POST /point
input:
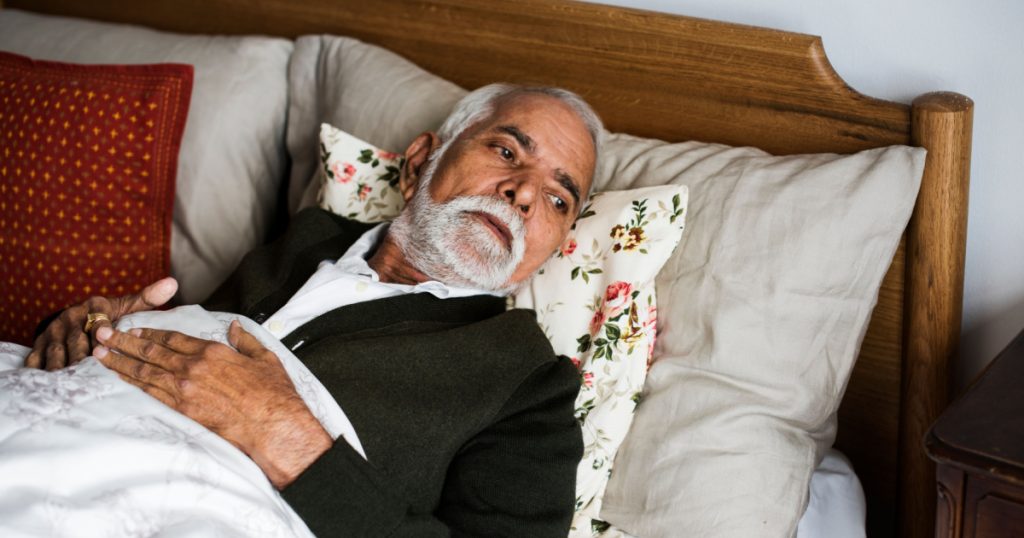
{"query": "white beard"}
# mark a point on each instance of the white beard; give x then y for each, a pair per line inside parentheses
(446, 242)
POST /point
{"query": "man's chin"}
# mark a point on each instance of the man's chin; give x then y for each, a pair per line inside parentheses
(477, 276)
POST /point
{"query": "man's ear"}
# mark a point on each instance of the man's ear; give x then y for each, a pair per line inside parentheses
(416, 161)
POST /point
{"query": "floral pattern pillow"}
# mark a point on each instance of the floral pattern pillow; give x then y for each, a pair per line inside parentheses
(595, 297)
(596, 302)
(357, 180)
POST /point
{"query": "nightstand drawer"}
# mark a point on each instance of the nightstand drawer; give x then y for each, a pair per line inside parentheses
(997, 508)
(973, 506)
(978, 444)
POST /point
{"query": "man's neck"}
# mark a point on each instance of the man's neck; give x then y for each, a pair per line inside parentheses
(392, 266)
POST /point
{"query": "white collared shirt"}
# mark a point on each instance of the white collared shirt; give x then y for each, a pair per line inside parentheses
(347, 281)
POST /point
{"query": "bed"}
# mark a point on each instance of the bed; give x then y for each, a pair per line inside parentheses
(677, 78)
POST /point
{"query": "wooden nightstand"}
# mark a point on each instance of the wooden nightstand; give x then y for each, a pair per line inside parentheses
(978, 444)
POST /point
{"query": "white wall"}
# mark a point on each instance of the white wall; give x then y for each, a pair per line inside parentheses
(898, 49)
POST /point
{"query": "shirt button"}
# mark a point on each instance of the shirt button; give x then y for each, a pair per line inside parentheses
(276, 326)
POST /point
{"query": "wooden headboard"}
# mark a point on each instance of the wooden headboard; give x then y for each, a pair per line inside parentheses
(678, 78)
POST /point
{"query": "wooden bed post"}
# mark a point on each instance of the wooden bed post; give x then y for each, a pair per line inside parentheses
(941, 122)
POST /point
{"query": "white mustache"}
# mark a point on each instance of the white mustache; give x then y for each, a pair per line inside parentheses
(497, 208)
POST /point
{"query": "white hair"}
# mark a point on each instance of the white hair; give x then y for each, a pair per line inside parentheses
(480, 104)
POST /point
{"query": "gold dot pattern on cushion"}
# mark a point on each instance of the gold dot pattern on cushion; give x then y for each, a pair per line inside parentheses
(88, 156)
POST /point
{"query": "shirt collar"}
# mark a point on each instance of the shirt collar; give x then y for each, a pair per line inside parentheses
(354, 261)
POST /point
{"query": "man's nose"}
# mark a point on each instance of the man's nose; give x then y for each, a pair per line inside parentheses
(521, 193)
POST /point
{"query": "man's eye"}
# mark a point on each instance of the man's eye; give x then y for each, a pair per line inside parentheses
(506, 153)
(559, 203)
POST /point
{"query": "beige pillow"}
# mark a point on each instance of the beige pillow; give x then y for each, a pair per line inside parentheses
(232, 157)
(762, 308)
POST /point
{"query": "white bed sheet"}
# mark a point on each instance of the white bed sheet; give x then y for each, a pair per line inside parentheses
(836, 508)
(192, 482)
(84, 454)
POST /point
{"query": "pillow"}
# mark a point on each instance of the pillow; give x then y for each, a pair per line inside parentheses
(86, 182)
(764, 308)
(594, 298)
(761, 310)
(232, 159)
(357, 180)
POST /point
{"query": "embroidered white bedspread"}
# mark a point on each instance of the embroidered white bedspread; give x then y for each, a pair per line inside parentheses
(83, 453)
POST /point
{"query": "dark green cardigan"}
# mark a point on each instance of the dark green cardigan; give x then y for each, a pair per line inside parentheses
(464, 411)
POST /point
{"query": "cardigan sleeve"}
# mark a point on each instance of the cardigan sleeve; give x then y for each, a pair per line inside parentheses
(515, 478)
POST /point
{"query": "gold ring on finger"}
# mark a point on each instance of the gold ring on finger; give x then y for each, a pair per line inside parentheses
(92, 318)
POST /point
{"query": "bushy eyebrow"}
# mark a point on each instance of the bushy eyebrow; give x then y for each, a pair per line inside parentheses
(522, 138)
(566, 181)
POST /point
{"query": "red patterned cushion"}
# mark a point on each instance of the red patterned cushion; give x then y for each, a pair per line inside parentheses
(88, 155)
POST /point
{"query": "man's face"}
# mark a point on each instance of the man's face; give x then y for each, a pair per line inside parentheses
(534, 157)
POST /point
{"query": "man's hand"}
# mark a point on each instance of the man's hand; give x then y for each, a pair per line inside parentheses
(65, 342)
(245, 396)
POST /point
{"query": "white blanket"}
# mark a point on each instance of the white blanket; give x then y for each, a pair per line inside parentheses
(83, 453)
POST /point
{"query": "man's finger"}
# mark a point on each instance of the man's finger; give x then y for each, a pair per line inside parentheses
(56, 356)
(243, 341)
(77, 344)
(96, 326)
(35, 357)
(173, 340)
(152, 296)
(139, 348)
(53, 350)
(153, 391)
(140, 373)
(98, 305)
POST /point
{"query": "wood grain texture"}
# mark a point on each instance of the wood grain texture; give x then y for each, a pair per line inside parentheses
(679, 78)
(648, 74)
(936, 245)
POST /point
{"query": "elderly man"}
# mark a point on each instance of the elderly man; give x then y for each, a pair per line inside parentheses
(464, 412)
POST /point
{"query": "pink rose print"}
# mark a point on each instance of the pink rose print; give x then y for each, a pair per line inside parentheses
(575, 362)
(387, 155)
(343, 172)
(364, 191)
(569, 247)
(597, 322)
(617, 298)
(588, 379)
(651, 329)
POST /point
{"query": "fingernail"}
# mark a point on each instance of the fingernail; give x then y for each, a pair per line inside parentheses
(103, 333)
(100, 352)
(136, 332)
